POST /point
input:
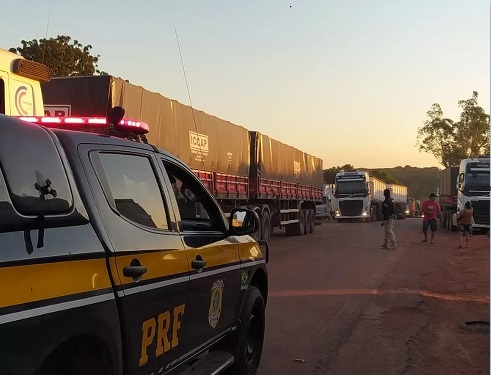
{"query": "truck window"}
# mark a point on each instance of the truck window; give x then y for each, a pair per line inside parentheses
(2, 96)
(134, 189)
(198, 211)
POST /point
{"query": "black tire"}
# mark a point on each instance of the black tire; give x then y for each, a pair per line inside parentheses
(250, 334)
(258, 234)
(453, 228)
(312, 222)
(299, 227)
(265, 226)
(308, 219)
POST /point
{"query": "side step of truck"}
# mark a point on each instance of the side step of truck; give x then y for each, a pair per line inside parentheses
(213, 363)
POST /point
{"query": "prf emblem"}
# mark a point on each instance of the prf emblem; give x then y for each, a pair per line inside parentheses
(215, 303)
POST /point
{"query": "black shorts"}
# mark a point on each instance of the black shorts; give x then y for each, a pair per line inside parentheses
(432, 223)
(465, 228)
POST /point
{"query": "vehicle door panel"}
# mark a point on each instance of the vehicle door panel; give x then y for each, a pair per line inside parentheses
(215, 287)
(154, 307)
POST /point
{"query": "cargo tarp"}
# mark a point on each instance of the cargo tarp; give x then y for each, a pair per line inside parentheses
(85, 96)
(279, 161)
(202, 141)
(448, 181)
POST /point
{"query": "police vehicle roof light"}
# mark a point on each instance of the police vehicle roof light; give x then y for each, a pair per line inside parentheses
(137, 127)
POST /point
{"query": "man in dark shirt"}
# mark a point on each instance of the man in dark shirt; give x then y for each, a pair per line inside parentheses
(388, 223)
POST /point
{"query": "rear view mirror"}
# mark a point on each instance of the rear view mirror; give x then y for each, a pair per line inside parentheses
(243, 221)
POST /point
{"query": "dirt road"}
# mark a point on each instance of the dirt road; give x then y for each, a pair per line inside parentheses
(339, 304)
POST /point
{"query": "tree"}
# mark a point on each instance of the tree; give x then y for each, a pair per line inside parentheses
(385, 177)
(330, 174)
(451, 141)
(63, 56)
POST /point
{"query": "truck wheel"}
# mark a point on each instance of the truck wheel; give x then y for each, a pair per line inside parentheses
(308, 220)
(299, 227)
(266, 226)
(250, 334)
(312, 222)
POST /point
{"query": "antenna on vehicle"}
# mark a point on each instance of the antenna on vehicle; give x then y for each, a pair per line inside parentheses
(46, 35)
(187, 87)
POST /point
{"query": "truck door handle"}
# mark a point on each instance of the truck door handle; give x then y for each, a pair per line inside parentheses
(135, 270)
(198, 263)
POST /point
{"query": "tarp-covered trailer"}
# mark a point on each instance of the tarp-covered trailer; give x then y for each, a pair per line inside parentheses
(399, 195)
(238, 166)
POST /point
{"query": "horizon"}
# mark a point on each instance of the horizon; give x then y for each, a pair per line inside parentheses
(347, 82)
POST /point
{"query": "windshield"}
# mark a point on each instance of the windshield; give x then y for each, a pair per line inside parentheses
(477, 178)
(351, 187)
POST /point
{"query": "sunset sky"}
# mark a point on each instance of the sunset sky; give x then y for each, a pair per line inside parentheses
(349, 81)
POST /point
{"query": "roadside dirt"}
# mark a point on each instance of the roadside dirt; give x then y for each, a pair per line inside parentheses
(412, 325)
(442, 346)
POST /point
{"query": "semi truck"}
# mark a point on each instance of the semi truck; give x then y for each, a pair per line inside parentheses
(399, 194)
(467, 182)
(325, 210)
(240, 167)
(358, 195)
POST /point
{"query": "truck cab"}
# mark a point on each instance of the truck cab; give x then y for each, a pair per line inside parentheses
(20, 85)
(353, 195)
(473, 185)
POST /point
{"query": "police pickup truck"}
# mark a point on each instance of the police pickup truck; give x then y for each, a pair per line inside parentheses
(115, 258)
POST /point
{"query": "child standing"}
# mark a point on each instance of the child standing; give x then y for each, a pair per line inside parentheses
(464, 218)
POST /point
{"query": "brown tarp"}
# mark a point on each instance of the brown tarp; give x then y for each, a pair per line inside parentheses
(87, 96)
(448, 181)
(279, 161)
(202, 141)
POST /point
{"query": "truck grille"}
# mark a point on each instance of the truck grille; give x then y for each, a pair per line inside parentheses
(351, 207)
(481, 212)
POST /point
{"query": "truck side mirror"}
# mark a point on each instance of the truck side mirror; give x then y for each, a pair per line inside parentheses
(460, 181)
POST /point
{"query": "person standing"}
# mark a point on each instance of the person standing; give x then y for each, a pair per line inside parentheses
(388, 223)
(464, 219)
(431, 210)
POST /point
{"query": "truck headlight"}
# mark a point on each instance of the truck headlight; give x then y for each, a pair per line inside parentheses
(365, 213)
(407, 211)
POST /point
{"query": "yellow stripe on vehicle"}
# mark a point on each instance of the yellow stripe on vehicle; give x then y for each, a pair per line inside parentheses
(37, 282)
(160, 264)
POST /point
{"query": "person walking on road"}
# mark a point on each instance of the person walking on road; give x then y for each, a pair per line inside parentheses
(388, 223)
(464, 220)
(432, 212)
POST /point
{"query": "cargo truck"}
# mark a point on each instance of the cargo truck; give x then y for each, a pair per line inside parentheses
(399, 195)
(467, 182)
(241, 168)
(358, 195)
(325, 210)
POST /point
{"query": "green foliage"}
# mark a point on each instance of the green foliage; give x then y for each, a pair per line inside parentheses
(450, 141)
(385, 176)
(420, 181)
(330, 174)
(63, 56)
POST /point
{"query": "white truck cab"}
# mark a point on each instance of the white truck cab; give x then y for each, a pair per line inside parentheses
(473, 184)
(20, 85)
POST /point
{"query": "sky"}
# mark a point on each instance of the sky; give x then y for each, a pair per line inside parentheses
(348, 81)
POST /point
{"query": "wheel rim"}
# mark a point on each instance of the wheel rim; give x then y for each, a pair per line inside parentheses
(253, 337)
(267, 229)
